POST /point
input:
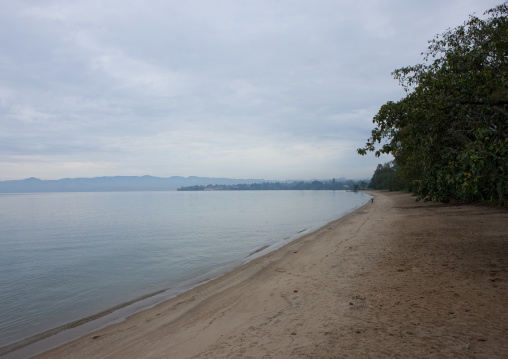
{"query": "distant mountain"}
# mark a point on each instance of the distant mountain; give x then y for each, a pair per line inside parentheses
(114, 184)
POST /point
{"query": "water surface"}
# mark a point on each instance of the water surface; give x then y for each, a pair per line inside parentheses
(68, 256)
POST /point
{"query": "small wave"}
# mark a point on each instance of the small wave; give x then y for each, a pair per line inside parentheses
(258, 250)
(48, 333)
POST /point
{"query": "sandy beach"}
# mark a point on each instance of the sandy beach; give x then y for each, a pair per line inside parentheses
(395, 279)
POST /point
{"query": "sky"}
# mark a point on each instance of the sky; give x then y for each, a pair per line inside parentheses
(271, 89)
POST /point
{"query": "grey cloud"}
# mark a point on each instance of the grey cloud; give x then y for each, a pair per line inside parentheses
(226, 88)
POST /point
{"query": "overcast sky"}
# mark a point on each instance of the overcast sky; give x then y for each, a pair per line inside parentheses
(242, 89)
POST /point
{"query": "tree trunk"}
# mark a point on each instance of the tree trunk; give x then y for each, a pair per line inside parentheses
(500, 194)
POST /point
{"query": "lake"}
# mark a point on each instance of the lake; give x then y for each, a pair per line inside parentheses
(68, 256)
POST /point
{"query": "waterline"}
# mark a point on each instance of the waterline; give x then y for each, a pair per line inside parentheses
(71, 258)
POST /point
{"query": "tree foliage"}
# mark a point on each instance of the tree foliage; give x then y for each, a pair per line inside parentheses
(387, 177)
(449, 135)
(342, 184)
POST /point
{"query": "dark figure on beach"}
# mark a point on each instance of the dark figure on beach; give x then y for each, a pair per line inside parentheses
(372, 199)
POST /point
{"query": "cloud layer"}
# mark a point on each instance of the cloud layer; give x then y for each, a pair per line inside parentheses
(267, 89)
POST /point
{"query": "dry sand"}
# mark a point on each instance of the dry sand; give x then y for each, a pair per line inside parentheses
(395, 279)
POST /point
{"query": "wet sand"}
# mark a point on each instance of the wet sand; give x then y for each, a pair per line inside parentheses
(394, 279)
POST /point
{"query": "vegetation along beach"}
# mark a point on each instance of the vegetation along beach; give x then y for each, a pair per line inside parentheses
(449, 135)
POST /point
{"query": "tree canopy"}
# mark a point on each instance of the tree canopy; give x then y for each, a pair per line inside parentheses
(449, 135)
(341, 184)
(386, 177)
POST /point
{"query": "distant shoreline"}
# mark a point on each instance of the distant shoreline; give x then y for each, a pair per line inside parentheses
(330, 185)
(143, 183)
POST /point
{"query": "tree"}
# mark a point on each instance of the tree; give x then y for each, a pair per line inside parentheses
(449, 135)
(386, 177)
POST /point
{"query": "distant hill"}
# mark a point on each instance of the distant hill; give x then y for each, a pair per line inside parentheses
(114, 184)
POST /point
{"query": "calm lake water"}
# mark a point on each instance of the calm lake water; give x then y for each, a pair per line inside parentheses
(68, 256)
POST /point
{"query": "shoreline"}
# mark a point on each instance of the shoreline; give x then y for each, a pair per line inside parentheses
(76, 329)
(396, 278)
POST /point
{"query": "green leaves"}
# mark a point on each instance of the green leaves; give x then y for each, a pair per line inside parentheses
(449, 135)
(386, 177)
